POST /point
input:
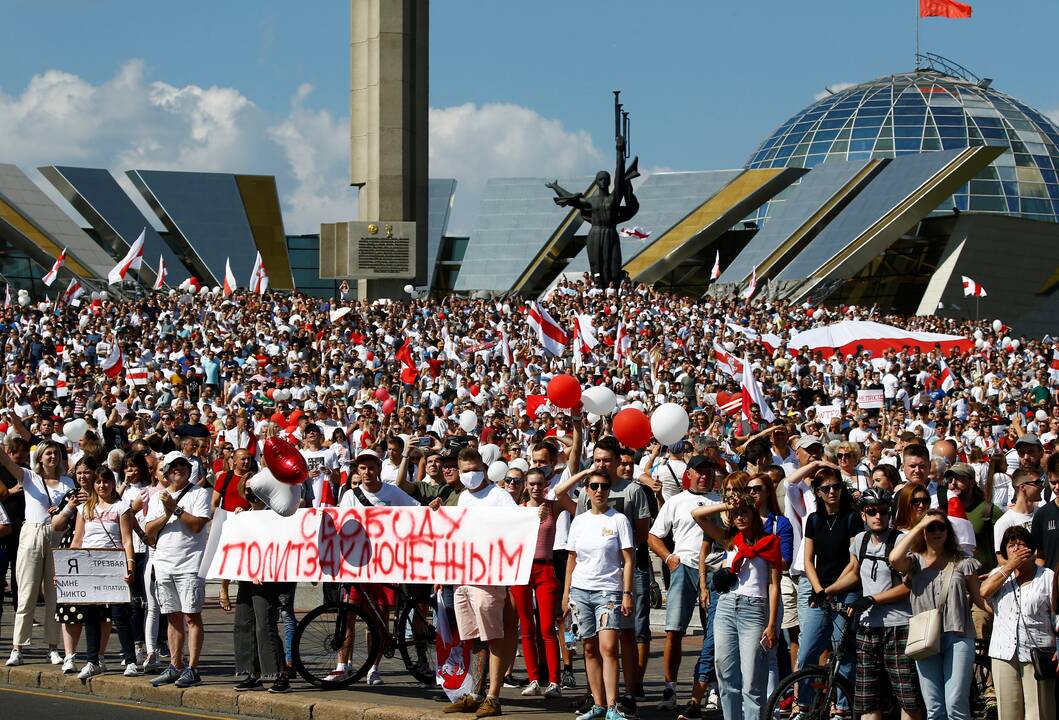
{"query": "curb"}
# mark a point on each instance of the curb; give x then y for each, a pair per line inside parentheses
(211, 698)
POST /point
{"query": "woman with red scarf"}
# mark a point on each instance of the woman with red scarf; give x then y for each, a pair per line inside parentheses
(748, 603)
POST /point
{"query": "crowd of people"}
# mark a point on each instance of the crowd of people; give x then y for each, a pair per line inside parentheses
(929, 522)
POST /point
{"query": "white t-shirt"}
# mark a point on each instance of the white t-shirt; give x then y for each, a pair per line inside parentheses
(1009, 519)
(675, 516)
(490, 495)
(670, 473)
(320, 462)
(598, 541)
(387, 496)
(799, 504)
(40, 497)
(103, 529)
(179, 551)
(388, 472)
(131, 494)
(753, 576)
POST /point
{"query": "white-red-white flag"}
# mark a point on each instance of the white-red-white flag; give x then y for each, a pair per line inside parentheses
(50, 276)
(622, 343)
(1053, 366)
(72, 291)
(159, 280)
(726, 361)
(505, 351)
(258, 276)
(229, 279)
(716, 272)
(752, 394)
(948, 381)
(7, 296)
(586, 333)
(551, 336)
(732, 406)
(132, 261)
(752, 287)
(62, 388)
(634, 232)
(970, 287)
(112, 364)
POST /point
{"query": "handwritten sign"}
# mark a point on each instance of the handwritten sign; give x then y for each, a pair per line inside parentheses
(91, 577)
(870, 399)
(449, 546)
(824, 413)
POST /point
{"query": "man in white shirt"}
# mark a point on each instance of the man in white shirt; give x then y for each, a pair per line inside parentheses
(1027, 484)
(392, 462)
(175, 527)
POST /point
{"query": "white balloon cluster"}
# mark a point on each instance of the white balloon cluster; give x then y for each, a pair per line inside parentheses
(282, 395)
(75, 430)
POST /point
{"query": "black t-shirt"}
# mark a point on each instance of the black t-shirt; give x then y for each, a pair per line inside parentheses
(1045, 531)
(831, 535)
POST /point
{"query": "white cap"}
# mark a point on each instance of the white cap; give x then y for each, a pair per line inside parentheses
(171, 457)
(363, 454)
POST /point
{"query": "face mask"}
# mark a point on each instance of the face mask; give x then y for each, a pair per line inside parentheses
(472, 480)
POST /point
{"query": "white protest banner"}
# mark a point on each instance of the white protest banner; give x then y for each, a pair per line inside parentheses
(448, 546)
(824, 413)
(870, 399)
(87, 577)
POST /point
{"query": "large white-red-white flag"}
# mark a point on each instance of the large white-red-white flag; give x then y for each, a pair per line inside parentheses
(752, 394)
(159, 279)
(970, 287)
(505, 350)
(622, 343)
(132, 261)
(752, 287)
(258, 277)
(49, 277)
(229, 279)
(948, 381)
(72, 291)
(62, 387)
(726, 361)
(551, 336)
(112, 363)
(586, 333)
(716, 272)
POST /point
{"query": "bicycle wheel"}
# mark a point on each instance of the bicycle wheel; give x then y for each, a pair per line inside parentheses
(415, 636)
(818, 707)
(325, 631)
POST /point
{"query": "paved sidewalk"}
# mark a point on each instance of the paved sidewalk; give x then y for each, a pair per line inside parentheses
(399, 698)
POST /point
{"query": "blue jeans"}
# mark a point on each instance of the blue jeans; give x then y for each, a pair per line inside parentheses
(682, 599)
(705, 668)
(742, 666)
(945, 679)
(285, 595)
(820, 629)
(641, 598)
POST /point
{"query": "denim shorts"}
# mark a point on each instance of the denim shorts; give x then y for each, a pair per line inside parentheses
(595, 610)
(682, 599)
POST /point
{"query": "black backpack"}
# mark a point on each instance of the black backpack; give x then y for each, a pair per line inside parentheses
(891, 540)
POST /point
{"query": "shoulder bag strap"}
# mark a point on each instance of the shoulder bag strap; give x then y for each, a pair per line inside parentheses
(359, 494)
(949, 572)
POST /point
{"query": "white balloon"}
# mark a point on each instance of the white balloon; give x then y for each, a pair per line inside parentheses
(23, 300)
(468, 420)
(979, 343)
(497, 471)
(75, 430)
(282, 498)
(1005, 343)
(172, 293)
(819, 314)
(1015, 344)
(978, 335)
(409, 289)
(729, 346)
(521, 464)
(599, 399)
(593, 418)
(997, 325)
(1041, 416)
(637, 405)
(669, 423)
(203, 290)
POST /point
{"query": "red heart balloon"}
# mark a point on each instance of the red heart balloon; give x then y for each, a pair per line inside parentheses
(285, 462)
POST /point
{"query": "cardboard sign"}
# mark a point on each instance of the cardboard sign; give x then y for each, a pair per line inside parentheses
(870, 399)
(824, 413)
(447, 546)
(91, 577)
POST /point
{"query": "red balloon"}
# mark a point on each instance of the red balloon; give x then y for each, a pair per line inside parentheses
(270, 392)
(279, 418)
(285, 462)
(297, 413)
(475, 389)
(388, 406)
(632, 428)
(371, 355)
(564, 391)
(382, 394)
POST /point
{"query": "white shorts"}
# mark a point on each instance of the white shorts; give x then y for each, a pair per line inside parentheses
(181, 593)
(789, 598)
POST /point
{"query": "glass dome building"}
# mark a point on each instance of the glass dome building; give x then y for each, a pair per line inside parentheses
(923, 111)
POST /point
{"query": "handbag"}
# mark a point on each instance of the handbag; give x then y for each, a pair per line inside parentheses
(924, 629)
(1043, 666)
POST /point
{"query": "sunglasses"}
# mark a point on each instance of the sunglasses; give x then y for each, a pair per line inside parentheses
(598, 486)
(755, 488)
(1034, 483)
(937, 527)
(920, 502)
(828, 489)
(875, 512)
(844, 455)
(512, 480)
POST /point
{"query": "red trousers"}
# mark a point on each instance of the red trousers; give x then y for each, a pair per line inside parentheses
(542, 624)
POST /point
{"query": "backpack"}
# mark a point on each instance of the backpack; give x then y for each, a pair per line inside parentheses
(891, 540)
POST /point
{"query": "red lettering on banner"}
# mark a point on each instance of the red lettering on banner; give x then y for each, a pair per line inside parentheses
(509, 560)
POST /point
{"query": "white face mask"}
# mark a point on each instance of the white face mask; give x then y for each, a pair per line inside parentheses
(472, 480)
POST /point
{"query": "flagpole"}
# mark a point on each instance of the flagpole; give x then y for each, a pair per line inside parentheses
(915, 60)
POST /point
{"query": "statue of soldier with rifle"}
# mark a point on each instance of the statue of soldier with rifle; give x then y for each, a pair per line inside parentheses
(604, 209)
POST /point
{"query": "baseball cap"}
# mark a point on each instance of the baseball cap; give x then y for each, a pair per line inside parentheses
(368, 455)
(699, 461)
(1028, 439)
(807, 441)
(174, 456)
(962, 471)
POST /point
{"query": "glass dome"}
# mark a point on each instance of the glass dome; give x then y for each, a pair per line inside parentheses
(924, 111)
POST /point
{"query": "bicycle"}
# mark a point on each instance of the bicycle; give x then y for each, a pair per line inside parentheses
(331, 630)
(828, 686)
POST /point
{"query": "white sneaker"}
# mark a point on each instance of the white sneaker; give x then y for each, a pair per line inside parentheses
(141, 655)
(55, 658)
(69, 664)
(532, 688)
(102, 666)
(713, 702)
(552, 691)
(15, 659)
(132, 670)
(373, 677)
(89, 670)
(151, 663)
(337, 675)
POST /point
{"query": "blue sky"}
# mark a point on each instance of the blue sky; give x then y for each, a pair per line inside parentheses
(517, 88)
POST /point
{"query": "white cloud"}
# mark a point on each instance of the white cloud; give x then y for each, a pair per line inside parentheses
(832, 89)
(131, 121)
(1053, 115)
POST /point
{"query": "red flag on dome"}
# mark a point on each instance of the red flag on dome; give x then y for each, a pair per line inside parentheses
(944, 8)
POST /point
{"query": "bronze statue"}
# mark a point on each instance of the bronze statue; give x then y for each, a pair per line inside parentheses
(604, 209)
